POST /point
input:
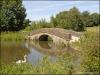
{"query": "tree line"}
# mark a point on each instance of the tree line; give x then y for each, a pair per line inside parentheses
(13, 14)
(74, 19)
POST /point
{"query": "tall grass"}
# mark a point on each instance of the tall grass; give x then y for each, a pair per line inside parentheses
(12, 36)
(90, 49)
(44, 67)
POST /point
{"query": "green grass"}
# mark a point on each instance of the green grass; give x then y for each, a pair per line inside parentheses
(12, 36)
(90, 33)
(44, 67)
(90, 49)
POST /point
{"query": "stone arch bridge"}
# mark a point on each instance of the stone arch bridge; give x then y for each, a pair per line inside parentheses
(58, 35)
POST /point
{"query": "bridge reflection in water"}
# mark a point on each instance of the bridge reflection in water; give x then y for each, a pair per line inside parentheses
(40, 48)
(34, 51)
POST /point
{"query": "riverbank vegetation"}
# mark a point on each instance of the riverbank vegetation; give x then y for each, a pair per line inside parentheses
(12, 36)
(13, 24)
(89, 47)
(63, 66)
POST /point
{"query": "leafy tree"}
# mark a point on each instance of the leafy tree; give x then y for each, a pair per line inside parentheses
(12, 15)
(76, 22)
(69, 20)
(64, 20)
(53, 21)
(72, 19)
(86, 18)
(90, 20)
(26, 22)
(95, 19)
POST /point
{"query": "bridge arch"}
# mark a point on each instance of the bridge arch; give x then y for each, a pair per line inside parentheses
(58, 35)
(45, 37)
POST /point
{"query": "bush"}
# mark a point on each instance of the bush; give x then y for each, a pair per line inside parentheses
(90, 49)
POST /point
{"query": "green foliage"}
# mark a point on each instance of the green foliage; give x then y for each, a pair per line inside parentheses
(12, 15)
(90, 20)
(16, 69)
(95, 19)
(90, 49)
(12, 36)
(61, 20)
(44, 67)
(37, 25)
(75, 20)
(86, 18)
(26, 23)
(69, 20)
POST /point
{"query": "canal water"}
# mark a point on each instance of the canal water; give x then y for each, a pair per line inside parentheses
(30, 51)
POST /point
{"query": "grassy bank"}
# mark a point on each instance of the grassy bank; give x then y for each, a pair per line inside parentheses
(91, 50)
(12, 36)
(30, 69)
(89, 47)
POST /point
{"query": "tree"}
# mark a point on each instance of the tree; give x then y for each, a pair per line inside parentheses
(86, 18)
(95, 19)
(63, 20)
(76, 22)
(26, 23)
(12, 15)
(53, 21)
(69, 20)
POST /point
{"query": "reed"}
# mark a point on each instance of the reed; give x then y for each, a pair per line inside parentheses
(43, 67)
(12, 36)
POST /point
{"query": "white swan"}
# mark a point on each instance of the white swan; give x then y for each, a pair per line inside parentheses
(21, 61)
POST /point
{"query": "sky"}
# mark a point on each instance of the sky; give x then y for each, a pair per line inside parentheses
(37, 10)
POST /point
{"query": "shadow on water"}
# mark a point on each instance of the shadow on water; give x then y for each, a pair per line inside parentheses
(34, 51)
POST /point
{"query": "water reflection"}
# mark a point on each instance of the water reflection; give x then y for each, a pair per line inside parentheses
(38, 49)
(12, 52)
(45, 45)
(29, 51)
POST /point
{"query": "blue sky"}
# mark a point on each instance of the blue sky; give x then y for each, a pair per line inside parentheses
(37, 10)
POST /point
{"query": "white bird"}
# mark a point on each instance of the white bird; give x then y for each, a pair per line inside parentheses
(21, 61)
